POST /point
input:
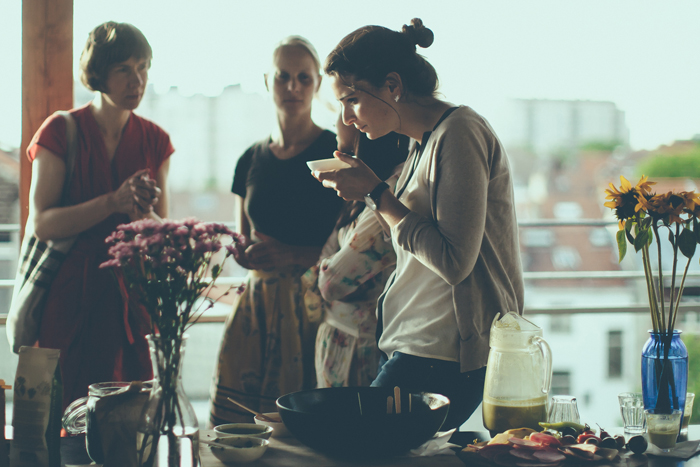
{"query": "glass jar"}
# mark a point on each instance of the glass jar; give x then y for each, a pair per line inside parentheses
(108, 417)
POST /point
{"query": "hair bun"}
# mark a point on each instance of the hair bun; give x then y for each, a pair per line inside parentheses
(418, 34)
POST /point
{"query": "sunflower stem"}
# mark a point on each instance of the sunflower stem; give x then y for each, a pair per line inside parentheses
(661, 275)
(651, 290)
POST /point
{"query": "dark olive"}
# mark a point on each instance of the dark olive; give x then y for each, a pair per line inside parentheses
(568, 440)
(591, 441)
(620, 440)
(637, 444)
(608, 442)
(569, 431)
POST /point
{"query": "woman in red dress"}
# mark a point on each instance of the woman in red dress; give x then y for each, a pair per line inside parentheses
(119, 175)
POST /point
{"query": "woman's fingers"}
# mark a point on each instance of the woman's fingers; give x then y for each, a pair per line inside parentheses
(347, 158)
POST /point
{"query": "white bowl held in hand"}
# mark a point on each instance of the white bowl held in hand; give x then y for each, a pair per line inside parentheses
(239, 450)
(327, 164)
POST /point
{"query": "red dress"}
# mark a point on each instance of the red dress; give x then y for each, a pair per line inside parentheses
(100, 338)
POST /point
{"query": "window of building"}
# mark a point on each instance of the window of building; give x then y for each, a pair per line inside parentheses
(615, 354)
(565, 258)
(561, 383)
(560, 324)
(537, 238)
(568, 210)
(600, 237)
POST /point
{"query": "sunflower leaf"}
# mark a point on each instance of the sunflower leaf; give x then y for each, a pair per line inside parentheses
(687, 243)
(628, 230)
(641, 240)
(621, 244)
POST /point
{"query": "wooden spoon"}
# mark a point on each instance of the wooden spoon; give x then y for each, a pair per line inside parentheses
(259, 415)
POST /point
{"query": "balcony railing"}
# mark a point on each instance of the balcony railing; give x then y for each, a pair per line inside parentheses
(528, 276)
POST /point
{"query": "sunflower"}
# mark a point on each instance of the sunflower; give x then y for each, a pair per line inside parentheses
(667, 206)
(625, 201)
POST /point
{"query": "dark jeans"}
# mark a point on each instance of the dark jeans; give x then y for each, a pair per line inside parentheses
(418, 374)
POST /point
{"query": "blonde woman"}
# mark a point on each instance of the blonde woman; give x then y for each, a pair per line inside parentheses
(285, 217)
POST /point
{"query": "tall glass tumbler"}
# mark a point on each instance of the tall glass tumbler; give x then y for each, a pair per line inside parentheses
(632, 411)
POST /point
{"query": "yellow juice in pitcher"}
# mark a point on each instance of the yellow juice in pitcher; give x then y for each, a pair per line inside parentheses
(502, 415)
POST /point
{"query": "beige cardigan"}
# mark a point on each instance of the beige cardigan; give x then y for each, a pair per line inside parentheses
(471, 240)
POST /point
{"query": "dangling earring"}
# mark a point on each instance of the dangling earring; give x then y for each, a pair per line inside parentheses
(396, 99)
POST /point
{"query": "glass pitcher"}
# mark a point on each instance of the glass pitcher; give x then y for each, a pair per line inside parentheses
(518, 375)
(108, 417)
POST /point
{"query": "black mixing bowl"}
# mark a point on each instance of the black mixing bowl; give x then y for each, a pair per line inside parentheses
(338, 423)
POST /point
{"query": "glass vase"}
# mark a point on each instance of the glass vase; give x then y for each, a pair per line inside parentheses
(168, 429)
(664, 372)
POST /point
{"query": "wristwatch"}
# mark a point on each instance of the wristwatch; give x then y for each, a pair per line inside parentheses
(372, 198)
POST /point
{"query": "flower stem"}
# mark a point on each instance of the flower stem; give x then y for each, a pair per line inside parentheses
(671, 309)
(661, 276)
(651, 290)
(680, 291)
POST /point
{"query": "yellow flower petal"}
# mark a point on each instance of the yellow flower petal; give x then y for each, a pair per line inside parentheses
(625, 185)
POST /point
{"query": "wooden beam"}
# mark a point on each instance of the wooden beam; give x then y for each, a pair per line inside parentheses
(47, 75)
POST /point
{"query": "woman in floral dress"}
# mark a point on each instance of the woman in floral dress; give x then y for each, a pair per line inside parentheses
(357, 260)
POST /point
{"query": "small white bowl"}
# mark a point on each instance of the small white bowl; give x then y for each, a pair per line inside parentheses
(327, 164)
(279, 430)
(239, 450)
(243, 430)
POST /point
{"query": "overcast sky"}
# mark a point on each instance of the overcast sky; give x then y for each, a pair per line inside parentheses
(642, 55)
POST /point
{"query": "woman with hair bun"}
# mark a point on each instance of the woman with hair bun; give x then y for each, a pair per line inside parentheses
(285, 217)
(451, 219)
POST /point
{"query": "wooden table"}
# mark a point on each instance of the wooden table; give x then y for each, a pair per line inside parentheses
(288, 452)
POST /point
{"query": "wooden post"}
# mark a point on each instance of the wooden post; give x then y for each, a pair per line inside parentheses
(47, 75)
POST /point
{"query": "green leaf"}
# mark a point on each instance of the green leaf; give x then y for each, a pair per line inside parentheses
(621, 244)
(671, 238)
(628, 230)
(696, 229)
(641, 240)
(216, 270)
(687, 243)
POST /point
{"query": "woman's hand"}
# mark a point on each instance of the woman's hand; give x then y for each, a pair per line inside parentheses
(137, 195)
(239, 253)
(352, 183)
(269, 253)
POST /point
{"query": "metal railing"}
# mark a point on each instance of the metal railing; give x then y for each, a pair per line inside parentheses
(528, 276)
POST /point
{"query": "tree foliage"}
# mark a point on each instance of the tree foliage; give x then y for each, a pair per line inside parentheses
(692, 343)
(672, 166)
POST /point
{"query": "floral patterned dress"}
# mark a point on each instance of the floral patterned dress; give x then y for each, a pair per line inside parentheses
(342, 291)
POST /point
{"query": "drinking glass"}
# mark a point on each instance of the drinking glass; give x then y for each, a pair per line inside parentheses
(563, 409)
(663, 428)
(632, 411)
(689, 397)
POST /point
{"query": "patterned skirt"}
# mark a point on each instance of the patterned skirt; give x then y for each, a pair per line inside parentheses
(267, 349)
